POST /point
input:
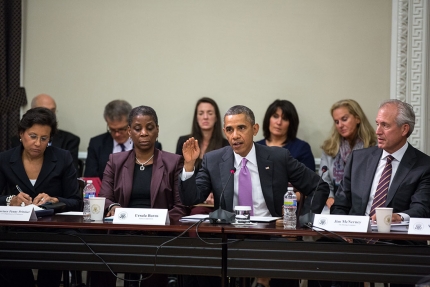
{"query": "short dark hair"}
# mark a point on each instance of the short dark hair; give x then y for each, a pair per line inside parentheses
(239, 109)
(142, 111)
(289, 113)
(116, 110)
(38, 116)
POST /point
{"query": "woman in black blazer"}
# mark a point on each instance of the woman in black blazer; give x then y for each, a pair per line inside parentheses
(44, 174)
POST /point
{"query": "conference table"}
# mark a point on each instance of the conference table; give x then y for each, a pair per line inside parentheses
(262, 250)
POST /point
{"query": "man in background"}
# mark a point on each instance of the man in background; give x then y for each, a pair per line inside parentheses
(115, 140)
(62, 139)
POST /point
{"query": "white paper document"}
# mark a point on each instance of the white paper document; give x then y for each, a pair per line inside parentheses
(395, 226)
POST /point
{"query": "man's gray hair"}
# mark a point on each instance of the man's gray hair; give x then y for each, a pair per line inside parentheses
(117, 110)
(237, 110)
(405, 113)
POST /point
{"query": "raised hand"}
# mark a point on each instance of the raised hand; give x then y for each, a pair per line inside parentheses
(190, 151)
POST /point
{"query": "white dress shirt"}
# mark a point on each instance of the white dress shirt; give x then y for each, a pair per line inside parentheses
(117, 147)
(398, 155)
(259, 204)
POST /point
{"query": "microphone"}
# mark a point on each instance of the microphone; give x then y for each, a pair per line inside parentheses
(309, 218)
(220, 215)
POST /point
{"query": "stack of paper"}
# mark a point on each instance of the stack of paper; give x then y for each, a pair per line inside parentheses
(395, 226)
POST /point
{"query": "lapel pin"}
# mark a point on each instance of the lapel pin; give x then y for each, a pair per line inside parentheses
(267, 167)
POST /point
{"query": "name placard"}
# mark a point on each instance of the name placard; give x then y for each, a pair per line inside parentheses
(147, 216)
(419, 226)
(343, 223)
(17, 213)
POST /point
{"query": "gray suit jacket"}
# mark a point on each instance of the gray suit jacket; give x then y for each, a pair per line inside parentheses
(276, 167)
(409, 191)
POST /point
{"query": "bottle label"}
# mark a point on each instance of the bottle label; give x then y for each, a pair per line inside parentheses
(290, 202)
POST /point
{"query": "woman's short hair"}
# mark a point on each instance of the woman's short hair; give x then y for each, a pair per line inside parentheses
(38, 116)
(365, 131)
(289, 113)
(116, 110)
(142, 111)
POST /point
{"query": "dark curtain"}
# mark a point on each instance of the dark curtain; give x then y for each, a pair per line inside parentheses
(12, 97)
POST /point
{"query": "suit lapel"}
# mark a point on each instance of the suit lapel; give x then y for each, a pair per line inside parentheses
(265, 171)
(107, 148)
(225, 166)
(127, 175)
(408, 160)
(18, 169)
(369, 174)
(157, 175)
(49, 164)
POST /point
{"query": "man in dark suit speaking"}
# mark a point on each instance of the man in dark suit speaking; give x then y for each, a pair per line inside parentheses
(265, 170)
(394, 174)
(271, 168)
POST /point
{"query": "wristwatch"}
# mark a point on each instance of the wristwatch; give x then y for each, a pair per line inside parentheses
(401, 217)
(8, 199)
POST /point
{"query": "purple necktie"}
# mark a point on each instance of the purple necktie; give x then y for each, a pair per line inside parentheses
(245, 186)
(382, 189)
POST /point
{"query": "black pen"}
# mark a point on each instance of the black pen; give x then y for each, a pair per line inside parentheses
(20, 191)
(18, 188)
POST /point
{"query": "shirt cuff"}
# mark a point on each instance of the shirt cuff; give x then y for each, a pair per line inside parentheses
(405, 216)
(186, 174)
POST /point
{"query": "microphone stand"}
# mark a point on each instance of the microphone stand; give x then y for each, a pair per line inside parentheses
(311, 214)
(220, 215)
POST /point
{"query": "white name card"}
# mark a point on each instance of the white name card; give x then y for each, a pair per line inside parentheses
(147, 216)
(419, 226)
(17, 213)
(343, 223)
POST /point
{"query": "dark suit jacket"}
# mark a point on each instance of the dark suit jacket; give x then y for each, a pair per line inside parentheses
(276, 167)
(56, 178)
(62, 139)
(99, 149)
(409, 191)
(118, 179)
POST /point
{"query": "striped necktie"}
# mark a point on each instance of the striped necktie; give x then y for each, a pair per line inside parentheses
(382, 189)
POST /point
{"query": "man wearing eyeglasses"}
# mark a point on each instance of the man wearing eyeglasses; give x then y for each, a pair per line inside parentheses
(116, 139)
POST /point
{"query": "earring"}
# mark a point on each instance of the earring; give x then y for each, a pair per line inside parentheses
(20, 140)
(130, 141)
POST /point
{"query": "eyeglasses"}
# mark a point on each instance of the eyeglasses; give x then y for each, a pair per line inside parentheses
(35, 138)
(121, 130)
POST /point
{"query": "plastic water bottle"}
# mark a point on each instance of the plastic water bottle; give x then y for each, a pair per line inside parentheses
(89, 191)
(290, 207)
